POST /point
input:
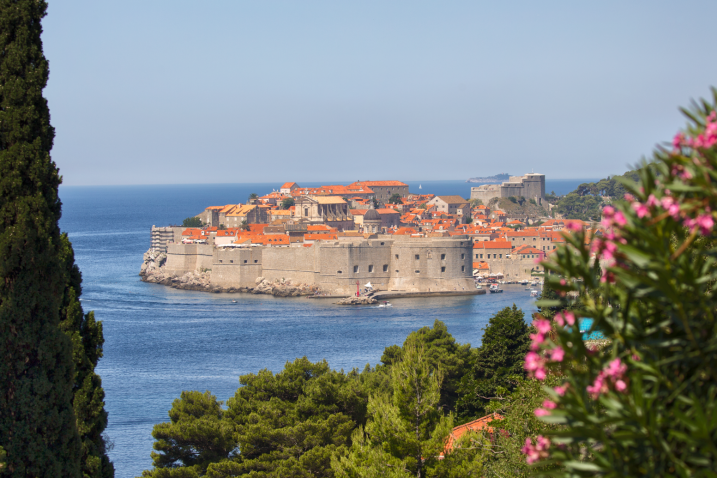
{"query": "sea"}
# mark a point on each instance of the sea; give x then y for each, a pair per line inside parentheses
(160, 341)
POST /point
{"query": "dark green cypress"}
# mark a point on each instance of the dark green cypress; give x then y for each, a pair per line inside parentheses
(38, 430)
(88, 398)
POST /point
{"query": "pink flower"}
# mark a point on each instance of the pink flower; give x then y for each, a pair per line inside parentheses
(549, 405)
(641, 209)
(678, 140)
(540, 374)
(562, 282)
(561, 389)
(536, 452)
(557, 354)
(686, 175)
(532, 361)
(562, 317)
(652, 201)
(608, 212)
(616, 369)
(629, 197)
(542, 325)
(538, 340)
(705, 223)
(598, 387)
(573, 226)
(620, 386)
(619, 218)
(539, 412)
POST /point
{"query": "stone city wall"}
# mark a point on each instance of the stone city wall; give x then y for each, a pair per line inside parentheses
(403, 264)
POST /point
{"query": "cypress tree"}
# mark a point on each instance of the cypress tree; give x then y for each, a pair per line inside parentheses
(87, 339)
(38, 427)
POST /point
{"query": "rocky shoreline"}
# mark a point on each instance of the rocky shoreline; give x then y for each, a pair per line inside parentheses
(153, 271)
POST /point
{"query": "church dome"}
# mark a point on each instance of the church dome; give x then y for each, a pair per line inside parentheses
(372, 215)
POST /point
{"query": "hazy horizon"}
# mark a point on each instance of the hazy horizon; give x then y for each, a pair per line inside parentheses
(184, 92)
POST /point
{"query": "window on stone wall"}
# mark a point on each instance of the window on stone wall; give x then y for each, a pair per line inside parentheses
(463, 256)
(245, 261)
(220, 260)
(370, 268)
(231, 261)
(500, 256)
(417, 271)
(396, 256)
(417, 257)
(385, 267)
(255, 261)
(443, 257)
(356, 269)
(443, 269)
(463, 268)
(339, 272)
(481, 256)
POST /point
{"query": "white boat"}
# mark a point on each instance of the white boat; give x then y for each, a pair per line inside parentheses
(385, 304)
(419, 187)
(533, 293)
(494, 289)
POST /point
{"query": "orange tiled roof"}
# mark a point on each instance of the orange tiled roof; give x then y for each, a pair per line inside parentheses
(481, 266)
(320, 237)
(288, 185)
(475, 425)
(492, 245)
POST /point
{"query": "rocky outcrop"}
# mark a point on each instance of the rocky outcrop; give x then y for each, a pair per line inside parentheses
(362, 300)
(283, 288)
(153, 261)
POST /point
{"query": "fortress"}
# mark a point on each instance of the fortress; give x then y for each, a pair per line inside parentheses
(406, 264)
(530, 186)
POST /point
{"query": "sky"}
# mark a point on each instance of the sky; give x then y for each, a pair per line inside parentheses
(230, 91)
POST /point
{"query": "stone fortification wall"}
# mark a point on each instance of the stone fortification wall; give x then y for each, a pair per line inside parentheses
(514, 269)
(531, 186)
(420, 264)
(403, 264)
(237, 267)
(182, 258)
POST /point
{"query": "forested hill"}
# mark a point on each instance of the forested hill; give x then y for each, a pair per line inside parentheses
(588, 199)
(490, 179)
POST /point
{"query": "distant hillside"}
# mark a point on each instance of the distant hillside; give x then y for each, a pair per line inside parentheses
(587, 201)
(498, 178)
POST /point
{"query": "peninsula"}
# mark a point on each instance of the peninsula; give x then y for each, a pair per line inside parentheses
(338, 239)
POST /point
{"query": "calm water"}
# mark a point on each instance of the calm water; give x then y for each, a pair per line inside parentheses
(160, 341)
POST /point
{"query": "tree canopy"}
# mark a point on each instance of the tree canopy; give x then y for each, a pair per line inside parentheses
(193, 221)
(495, 363)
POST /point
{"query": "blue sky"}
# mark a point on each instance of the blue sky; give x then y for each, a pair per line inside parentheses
(150, 92)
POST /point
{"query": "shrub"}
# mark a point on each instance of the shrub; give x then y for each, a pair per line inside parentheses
(646, 403)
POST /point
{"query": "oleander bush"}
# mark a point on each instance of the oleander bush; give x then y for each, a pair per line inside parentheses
(644, 404)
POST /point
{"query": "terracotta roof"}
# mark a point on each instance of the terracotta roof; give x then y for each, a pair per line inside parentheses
(492, 245)
(379, 183)
(288, 185)
(527, 250)
(481, 266)
(328, 199)
(384, 210)
(320, 237)
(475, 426)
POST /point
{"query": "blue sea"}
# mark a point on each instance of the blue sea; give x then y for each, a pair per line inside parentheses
(160, 341)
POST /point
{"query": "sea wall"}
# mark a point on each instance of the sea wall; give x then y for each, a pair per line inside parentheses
(388, 263)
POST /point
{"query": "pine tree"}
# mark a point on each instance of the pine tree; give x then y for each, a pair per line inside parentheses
(501, 356)
(38, 430)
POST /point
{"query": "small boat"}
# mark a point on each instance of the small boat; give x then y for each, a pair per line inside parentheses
(494, 289)
(533, 293)
(523, 282)
(419, 187)
(385, 304)
(234, 302)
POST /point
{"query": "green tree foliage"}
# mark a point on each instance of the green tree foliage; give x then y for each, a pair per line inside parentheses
(244, 225)
(406, 431)
(395, 199)
(38, 430)
(494, 364)
(442, 352)
(376, 204)
(646, 404)
(502, 453)
(193, 221)
(276, 425)
(253, 196)
(195, 437)
(286, 203)
(87, 339)
(586, 202)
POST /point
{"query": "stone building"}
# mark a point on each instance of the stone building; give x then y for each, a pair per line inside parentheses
(383, 190)
(451, 205)
(530, 186)
(330, 210)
